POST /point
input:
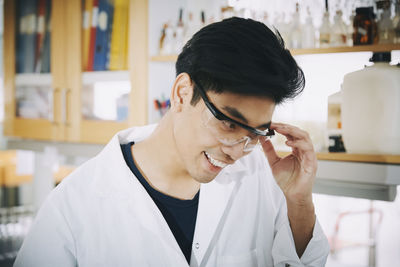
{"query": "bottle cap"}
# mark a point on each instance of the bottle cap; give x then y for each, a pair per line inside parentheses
(381, 57)
(365, 10)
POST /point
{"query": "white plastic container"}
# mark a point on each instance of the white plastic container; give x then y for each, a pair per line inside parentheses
(371, 108)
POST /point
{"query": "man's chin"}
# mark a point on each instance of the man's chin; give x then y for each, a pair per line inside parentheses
(204, 179)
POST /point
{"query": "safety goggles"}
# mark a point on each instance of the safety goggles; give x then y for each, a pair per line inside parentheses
(228, 131)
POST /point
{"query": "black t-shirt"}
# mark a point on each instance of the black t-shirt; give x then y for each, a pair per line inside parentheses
(180, 215)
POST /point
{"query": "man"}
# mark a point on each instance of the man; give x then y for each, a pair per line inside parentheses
(196, 189)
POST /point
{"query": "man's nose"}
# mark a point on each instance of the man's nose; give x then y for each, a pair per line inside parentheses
(235, 151)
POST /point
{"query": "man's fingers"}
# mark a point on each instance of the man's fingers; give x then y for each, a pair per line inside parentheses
(291, 132)
(305, 153)
(300, 144)
(269, 151)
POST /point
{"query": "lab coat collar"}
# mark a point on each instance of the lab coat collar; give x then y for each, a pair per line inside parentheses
(113, 157)
(116, 180)
(113, 177)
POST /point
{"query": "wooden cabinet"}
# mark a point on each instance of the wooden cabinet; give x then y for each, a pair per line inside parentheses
(65, 86)
(13, 125)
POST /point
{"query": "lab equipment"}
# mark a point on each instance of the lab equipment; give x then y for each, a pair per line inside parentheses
(335, 123)
(385, 26)
(295, 30)
(365, 28)
(325, 31)
(339, 31)
(396, 23)
(308, 32)
(370, 108)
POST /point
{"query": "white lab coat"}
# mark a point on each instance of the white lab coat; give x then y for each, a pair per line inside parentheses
(102, 216)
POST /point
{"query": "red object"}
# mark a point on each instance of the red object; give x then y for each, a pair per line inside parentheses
(93, 27)
(41, 30)
(156, 104)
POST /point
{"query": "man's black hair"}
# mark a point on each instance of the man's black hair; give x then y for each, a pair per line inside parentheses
(241, 56)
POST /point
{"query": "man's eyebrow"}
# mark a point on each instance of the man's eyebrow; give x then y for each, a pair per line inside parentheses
(236, 113)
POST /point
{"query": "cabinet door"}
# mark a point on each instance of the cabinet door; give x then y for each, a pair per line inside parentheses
(32, 95)
(103, 101)
(80, 106)
(104, 105)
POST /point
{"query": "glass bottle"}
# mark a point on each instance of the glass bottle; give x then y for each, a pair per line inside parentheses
(282, 27)
(308, 32)
(396, 23)
(339, 34)
(365, 28)
(350, 30)
(162, 39)
(168, 44)
(189, 29)
(295, 30)
(325, 31)
(385, 26)
(202, 19)
(179, 33)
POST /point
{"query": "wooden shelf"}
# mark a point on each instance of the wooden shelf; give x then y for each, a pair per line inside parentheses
(33, 79)
(385, 159)
(91, 77)
(166, 58)
(347, 49)
(310, 51)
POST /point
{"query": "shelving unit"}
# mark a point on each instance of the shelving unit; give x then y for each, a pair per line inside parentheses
(349, 157)
(329, 50)
(66, 80)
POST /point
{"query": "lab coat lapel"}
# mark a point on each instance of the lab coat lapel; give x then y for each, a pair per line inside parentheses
(152, 219)
(117, 181)
(215, 201)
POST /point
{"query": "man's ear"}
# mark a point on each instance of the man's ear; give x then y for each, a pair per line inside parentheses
(182, 92)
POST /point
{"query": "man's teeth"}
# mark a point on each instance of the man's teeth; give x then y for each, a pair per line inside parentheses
(215, 162)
